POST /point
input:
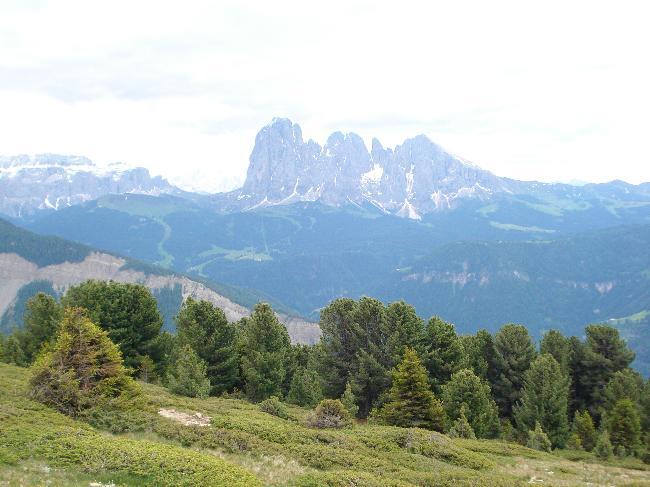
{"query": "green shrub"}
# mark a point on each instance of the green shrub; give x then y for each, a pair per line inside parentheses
(330, 413)
(538, 440)
(349, 400)
(583, 426)
(620, 451)
(461, 427)
(274, 407)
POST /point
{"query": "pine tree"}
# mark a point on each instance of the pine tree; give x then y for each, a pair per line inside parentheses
(41, 321)
(574, 442)
(624, 384)
(480, 354)
(603, 448)
(466, 390)
(81, 369)
(514, 354)
(205, 328)
(544, 400)
(187, 376)
(443, 352)
(411, 402)
(624, 425)
(128, 312)
(461, 427)
(349, 400)
(306, 389)
(583, 427)
(538, 439)
(406, 330)
(264, 347)
(557, 345)
(13, 351)
(605, 354)
(370, 381)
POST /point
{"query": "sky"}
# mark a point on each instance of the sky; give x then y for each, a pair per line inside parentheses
(552, 91)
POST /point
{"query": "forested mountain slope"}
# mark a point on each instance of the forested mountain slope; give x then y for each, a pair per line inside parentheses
(31, 263)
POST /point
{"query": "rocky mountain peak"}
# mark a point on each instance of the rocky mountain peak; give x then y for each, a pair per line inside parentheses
(410, 180)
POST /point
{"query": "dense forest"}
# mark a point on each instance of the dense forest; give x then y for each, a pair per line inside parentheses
(377, 363)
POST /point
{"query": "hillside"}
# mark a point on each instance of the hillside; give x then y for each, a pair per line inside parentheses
(237, 444)
(31, 263)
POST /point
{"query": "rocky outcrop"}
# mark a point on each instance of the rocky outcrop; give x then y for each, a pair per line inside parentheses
(415, 178)
(50, 181)
(16, 272)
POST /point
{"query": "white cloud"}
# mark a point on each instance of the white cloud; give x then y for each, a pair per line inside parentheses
(553, 90)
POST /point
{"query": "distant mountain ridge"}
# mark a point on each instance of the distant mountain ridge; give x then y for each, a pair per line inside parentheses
(52, 181)
(30, 263)
(411, 180)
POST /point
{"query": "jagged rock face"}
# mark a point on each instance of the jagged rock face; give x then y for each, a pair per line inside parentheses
(49, 181)
(415, 178)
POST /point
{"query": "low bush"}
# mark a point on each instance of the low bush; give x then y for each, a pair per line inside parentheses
(274, 407)
(330, 413)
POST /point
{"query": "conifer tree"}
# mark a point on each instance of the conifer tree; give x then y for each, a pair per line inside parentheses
(41, 321)
(81, 368)
(370, 381)
(306, 389)
(603, 448)
(205, 328)
(13, 350)
(188, 374)
(583, 427)
(264, 347)
(624, 425)
(405, 330)
(624, 384)
(128, 312)
(557, 345)
(538, 439)
(443, 352)
(349, 400)
(461, 427)
(544, 400)
(466, 390)
(410, 400)
(514, 354)
(480, 354)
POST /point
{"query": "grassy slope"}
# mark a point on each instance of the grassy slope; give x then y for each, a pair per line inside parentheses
(245, 446)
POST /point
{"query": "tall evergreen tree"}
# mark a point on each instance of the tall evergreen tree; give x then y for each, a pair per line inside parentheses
(480, 354)
(467, 390)
(128, 312)
(514, 354)
(624, 425)
(443, 352)
(559, 346)
(370, 381)
(205, 328)
(405, 330)
(624, 384)
(264, 347)
(12, 352)
(605, 353)
(349, 400)
(341, 339)
(41, 321)
(544, 399)
(411, 402)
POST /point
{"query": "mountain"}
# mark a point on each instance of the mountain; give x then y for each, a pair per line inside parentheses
(52, 182)
(30, 263)
(415, 178)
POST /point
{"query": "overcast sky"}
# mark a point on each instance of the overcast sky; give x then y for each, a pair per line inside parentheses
(531, 90)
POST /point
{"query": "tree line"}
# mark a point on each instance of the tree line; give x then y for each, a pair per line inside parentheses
(382, 362)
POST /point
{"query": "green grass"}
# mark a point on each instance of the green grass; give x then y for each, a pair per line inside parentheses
(245, 446)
